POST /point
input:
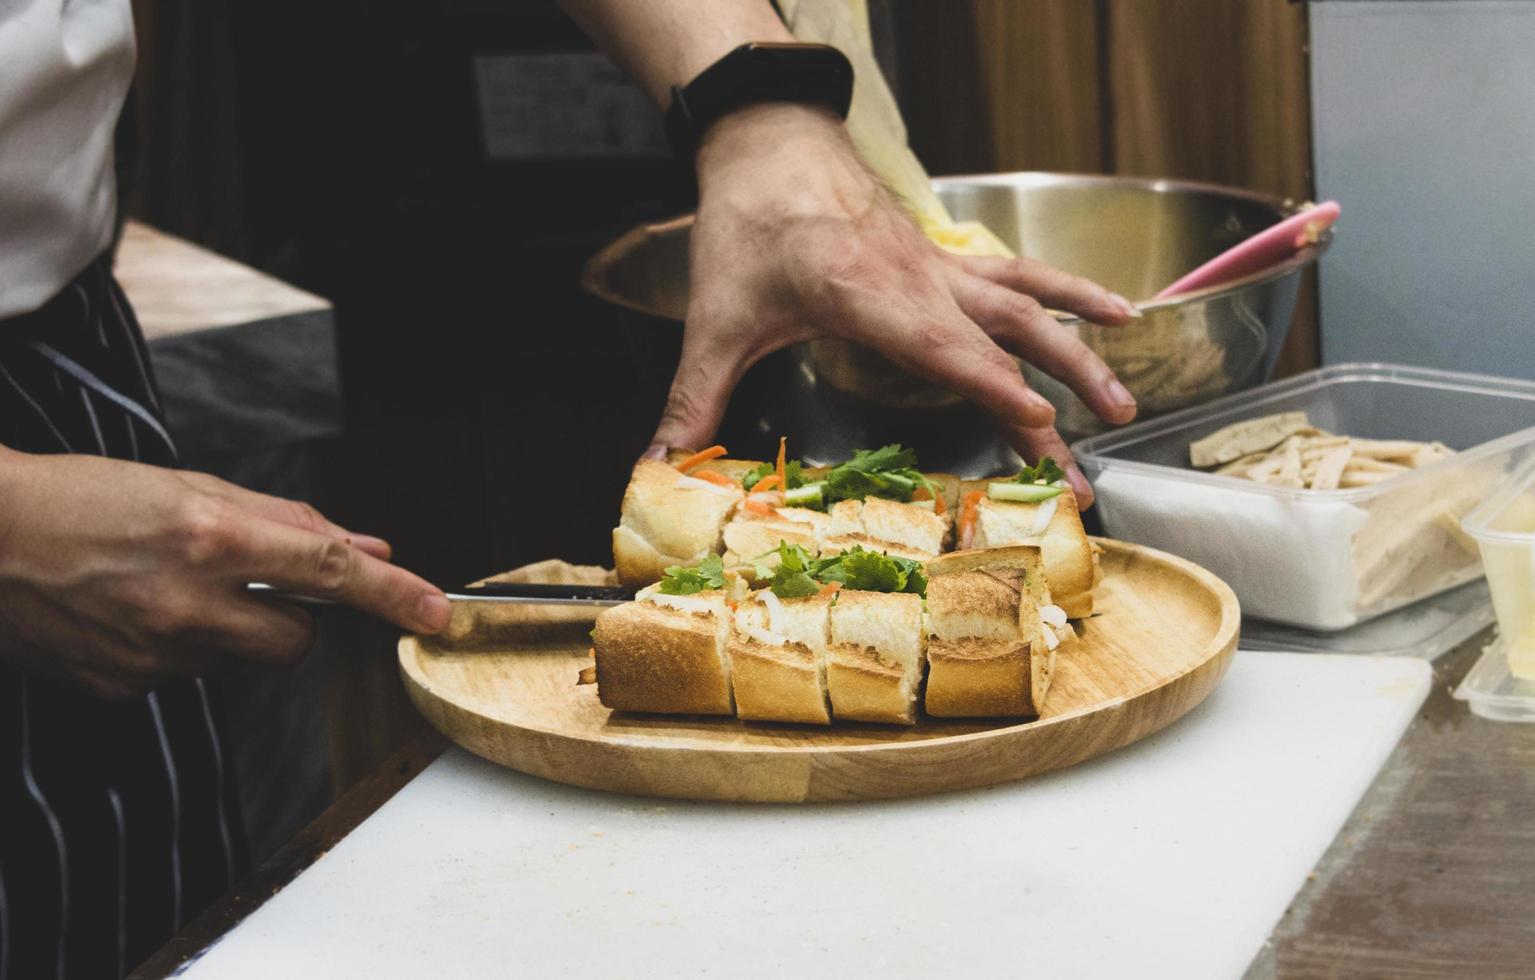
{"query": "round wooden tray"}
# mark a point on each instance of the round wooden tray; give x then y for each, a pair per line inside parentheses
(1164, 633)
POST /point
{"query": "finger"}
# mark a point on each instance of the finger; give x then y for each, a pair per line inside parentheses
(269, 632)
(918, 327)
(316, 565)
(699, 394)
(1054, 288)
(294, 513)
(1021, 326)
(1037, 443)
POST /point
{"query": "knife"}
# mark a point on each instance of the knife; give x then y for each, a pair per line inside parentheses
(515, 593)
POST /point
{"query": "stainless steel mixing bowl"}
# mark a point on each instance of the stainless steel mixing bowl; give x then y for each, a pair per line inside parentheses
(1133, 235)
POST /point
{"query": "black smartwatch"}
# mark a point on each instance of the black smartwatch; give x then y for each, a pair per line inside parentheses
(813, 73)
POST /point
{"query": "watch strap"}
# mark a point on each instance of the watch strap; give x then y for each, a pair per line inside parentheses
(754, 73)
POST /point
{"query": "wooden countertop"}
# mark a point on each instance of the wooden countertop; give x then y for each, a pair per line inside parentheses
(178, 288)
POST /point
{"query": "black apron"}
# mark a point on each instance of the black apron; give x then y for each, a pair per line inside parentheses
(118, 821)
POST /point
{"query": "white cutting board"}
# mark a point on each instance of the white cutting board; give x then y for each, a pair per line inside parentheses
(1173, 857)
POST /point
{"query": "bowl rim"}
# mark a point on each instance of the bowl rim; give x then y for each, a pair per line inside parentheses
(1284, 206)
(595, 278)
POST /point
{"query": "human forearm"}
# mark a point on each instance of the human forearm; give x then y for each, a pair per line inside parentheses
(662, 43)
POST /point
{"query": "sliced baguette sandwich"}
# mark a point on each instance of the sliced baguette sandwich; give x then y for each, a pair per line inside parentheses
(992, 634)
(678, 512)
(876, 656)
(884, 525)
(845, 637)
(777, 652)
(995, 514)
(665, 654)
(692, 505)
(668, 518)
(838, 636)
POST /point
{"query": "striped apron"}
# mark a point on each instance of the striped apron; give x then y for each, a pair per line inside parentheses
(118, 821)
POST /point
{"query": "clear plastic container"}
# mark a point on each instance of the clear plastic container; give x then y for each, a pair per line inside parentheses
(1495, 693)
(1504, 528)
(1424, 630)
(1323, 559)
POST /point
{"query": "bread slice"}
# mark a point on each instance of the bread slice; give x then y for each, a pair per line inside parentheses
(885, 525)
(749, 537)
(988, 652)
(875, 658)
(1055, 526)
(665, 654)
(668, 518)
(777, 650)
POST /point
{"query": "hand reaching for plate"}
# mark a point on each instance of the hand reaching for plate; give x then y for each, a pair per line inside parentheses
(795, 239)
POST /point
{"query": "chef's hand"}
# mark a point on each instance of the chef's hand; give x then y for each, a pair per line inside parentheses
(796, 239)
(116, 575)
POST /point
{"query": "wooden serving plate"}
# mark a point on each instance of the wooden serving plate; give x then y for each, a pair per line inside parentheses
(1163, 636)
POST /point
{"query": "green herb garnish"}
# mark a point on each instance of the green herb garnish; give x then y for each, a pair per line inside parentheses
(707, 574)
(873, 571)
(793, 472)
(798, 574)
(1045, 473)
(889, 472)
(792, 579)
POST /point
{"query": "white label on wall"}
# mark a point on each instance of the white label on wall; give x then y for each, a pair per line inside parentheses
(563, 105)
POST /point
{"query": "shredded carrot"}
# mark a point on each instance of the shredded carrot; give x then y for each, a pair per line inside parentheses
(967, 516)
(713, 477)
(829, 589)
(698, 458)
(782, 471)
(766, 483)
(761, 503)
(592, 652)
(923, 493)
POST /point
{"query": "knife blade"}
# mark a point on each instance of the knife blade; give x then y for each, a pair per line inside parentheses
(515, 593)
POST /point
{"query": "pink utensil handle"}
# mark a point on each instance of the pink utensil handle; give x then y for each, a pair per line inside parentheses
(1268, 247)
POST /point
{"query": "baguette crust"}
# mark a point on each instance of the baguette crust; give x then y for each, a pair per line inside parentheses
(665, 661)
(778, 669)
(865, 688)
(1071, 564)
(663, 524)
(981, 678)
(778, 683)
(875, 658)
(987, 656)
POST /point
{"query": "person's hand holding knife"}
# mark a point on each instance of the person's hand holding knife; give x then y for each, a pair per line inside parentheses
(796, 239)
(123, 575)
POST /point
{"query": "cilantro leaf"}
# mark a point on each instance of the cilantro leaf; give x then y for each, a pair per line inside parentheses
(792, 578)
(1046, 471)
(793, 471)
(707, 574)
(870, 571)
(915, 579)
(890, 472)
(882, 460)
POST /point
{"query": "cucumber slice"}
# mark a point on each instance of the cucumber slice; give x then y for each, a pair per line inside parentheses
(809, 495)
(1022, 493)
